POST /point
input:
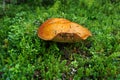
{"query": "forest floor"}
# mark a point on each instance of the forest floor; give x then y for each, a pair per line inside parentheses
(24, 56)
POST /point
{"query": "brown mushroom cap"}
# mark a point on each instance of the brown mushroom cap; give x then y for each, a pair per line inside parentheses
(62, 30)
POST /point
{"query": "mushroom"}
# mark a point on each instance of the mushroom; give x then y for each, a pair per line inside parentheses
(62, 30)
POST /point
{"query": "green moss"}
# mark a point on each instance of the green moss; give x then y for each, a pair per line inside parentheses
(23, 56)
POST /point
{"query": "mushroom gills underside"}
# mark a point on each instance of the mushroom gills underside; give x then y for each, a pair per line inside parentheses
(67, 37)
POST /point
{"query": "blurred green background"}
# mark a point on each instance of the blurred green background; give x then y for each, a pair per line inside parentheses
(24, 56)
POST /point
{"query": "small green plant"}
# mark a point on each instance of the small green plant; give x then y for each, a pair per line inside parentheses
(23, 56)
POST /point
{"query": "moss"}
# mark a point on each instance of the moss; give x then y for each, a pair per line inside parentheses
(24, 56)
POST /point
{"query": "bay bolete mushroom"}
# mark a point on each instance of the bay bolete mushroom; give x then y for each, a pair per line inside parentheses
(62, 30)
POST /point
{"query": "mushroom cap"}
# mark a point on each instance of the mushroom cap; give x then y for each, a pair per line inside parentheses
(62, 30)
